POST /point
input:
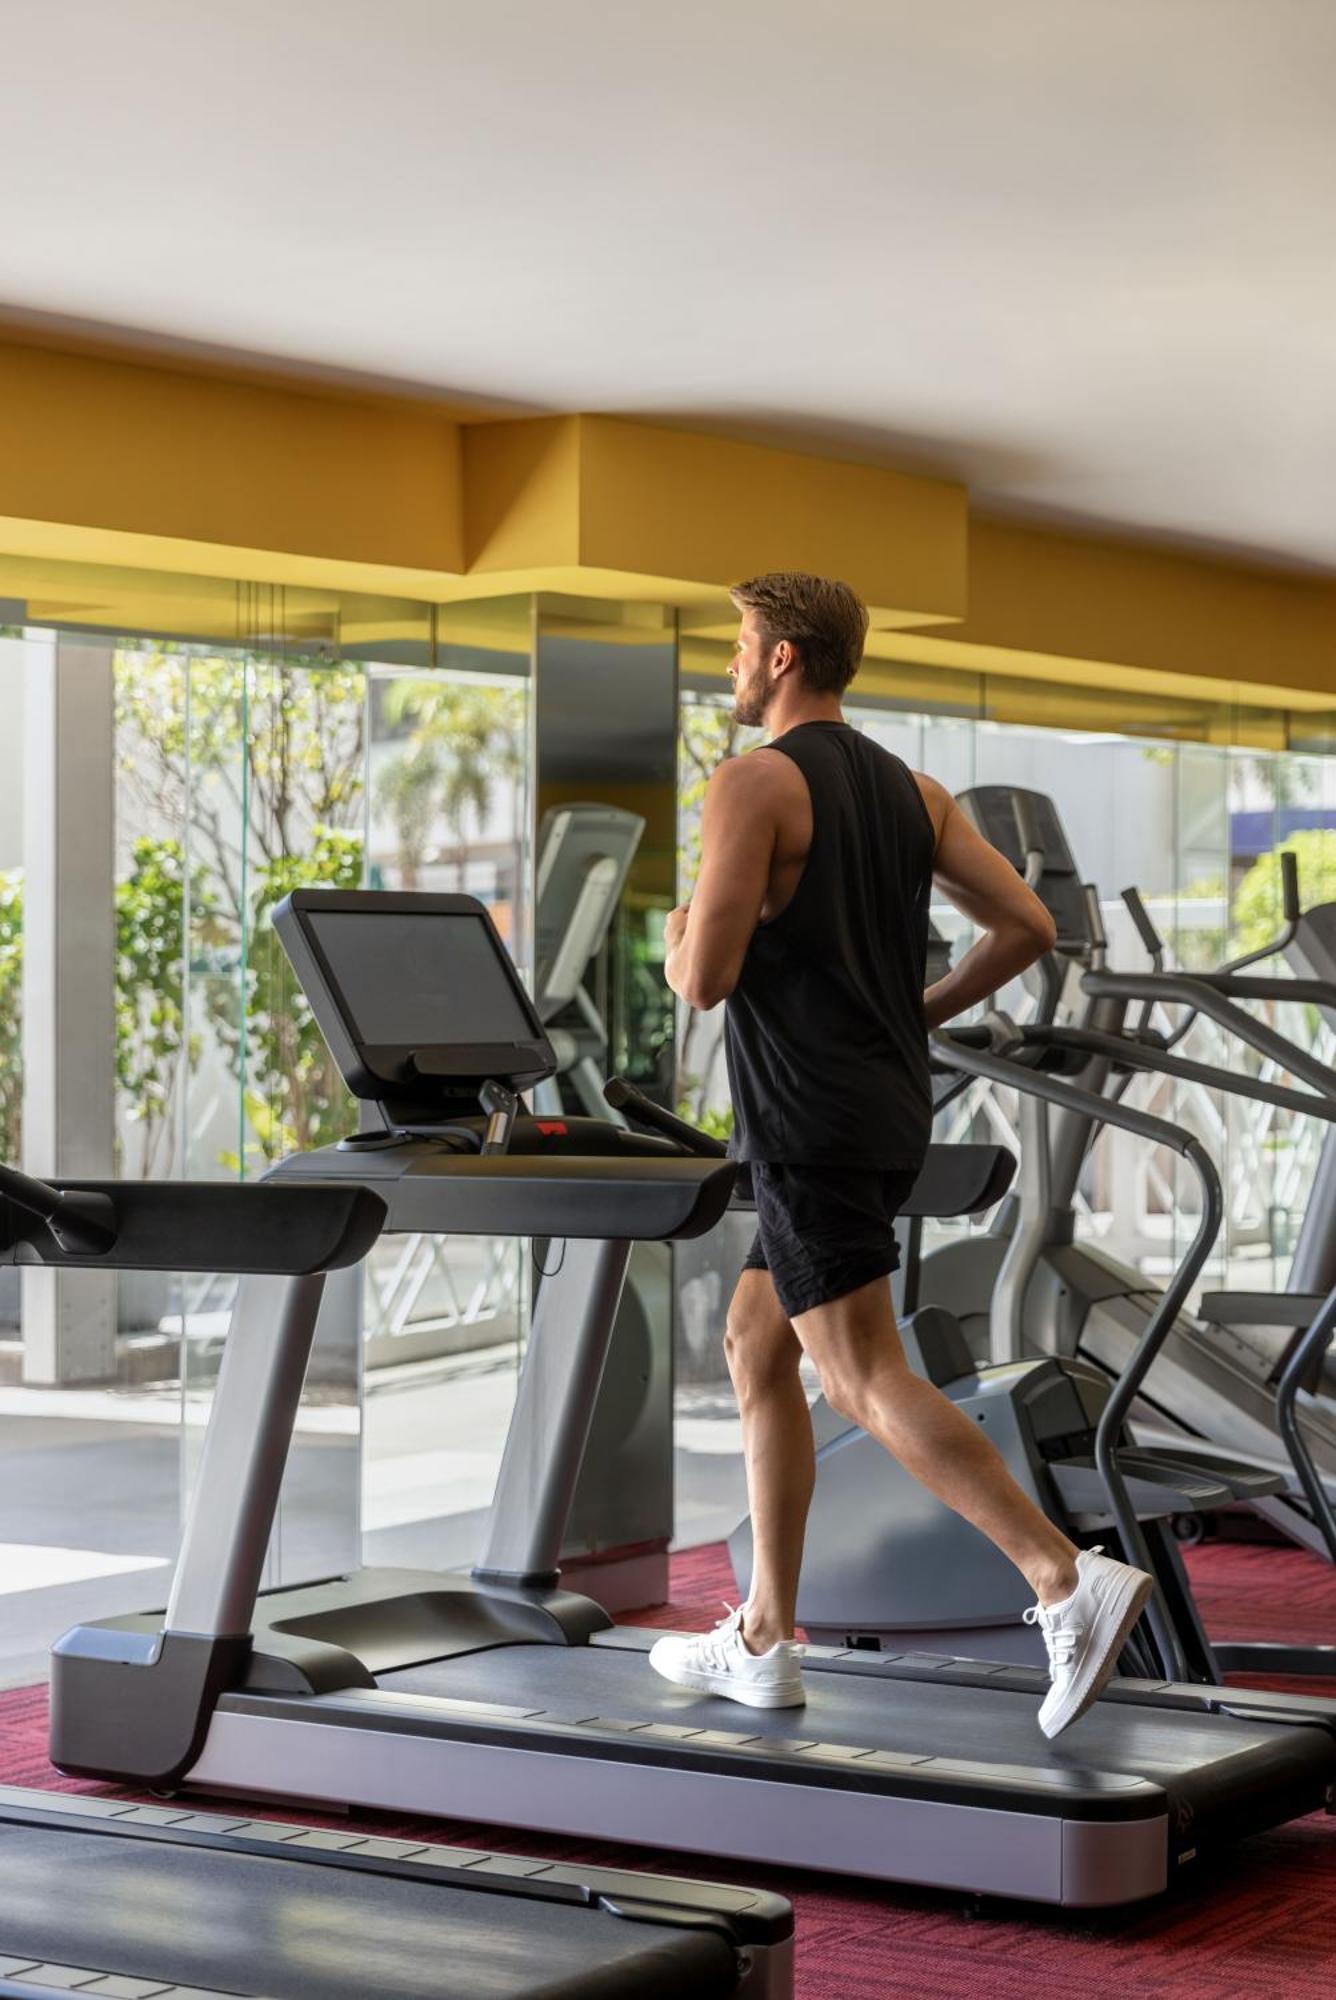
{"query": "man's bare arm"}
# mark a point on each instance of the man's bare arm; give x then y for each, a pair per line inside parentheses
(980, 883)
(708, 939)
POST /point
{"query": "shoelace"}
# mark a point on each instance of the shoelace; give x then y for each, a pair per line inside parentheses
(1059, 1640)
(713, 1648)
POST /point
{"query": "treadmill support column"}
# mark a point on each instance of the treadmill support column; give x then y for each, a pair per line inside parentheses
(554, 1407)
(245, 1451)
(130, 1700)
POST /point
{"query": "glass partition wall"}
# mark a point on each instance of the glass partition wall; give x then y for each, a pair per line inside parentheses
(219, 745)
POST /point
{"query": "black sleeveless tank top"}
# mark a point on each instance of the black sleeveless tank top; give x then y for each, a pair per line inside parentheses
(824, 1032)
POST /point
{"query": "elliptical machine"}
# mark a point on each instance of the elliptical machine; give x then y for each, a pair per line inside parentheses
(1223, 1378)
(887, 1564)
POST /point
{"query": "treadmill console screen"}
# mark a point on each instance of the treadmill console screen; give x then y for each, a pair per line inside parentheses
(419, 980)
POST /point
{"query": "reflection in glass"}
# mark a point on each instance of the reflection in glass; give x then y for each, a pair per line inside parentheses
(446, 808)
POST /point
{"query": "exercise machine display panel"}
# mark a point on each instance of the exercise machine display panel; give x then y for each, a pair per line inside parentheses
(415, 994)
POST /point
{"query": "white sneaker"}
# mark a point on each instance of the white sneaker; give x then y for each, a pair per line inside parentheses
(1086, 1632)
(718, 1663)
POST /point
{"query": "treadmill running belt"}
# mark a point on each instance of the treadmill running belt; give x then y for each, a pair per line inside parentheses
(158, 1914)
(1198, 1759)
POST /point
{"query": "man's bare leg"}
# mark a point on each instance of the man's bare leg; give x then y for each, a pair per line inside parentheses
(855, 1344)
(763, 1354)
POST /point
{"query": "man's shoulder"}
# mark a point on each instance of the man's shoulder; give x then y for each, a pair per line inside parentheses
(756, 773)
(935, 797)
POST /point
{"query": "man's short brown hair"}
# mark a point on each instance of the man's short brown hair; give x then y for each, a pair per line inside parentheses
(825, 621)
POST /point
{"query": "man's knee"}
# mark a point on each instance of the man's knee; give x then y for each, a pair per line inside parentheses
(760, 1347)
(845, 1390)
(852, 1383)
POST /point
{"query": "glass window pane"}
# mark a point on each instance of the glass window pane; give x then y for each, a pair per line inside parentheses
(448, 808)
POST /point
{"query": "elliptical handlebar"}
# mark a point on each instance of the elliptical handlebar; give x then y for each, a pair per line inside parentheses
(1027, 834)
(1141, 917)
(1204, 996)
(1138, 1053)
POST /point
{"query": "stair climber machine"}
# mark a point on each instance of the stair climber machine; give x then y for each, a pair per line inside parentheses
(1246, 1373)
(102, 1895)
(887, 1564)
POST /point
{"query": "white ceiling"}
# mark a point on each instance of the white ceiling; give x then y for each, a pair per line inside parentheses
(1080, 252)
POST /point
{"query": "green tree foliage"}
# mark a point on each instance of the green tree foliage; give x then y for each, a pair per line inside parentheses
(11, 1014)
(407, 789)
(262, 761)
(250, 753)
(1257, 902)
(255, 768)
(462, 739)
(150, 986)
(710, 732)
(294, 1097)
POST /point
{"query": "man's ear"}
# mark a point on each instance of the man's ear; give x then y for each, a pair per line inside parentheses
(785, 658)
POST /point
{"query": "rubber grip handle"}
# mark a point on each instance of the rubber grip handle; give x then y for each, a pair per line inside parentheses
(1140, 916)
(1027, 825)
(1289, 885)
(624, 1096)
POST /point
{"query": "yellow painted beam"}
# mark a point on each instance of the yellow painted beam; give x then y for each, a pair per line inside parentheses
(1130, 614)
(678, 516)
(154, 495)
(182, 464)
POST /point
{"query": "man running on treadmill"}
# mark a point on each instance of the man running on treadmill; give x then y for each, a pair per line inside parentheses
(810, 918)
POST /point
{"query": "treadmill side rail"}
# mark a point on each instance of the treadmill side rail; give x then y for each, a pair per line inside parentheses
(849, 1825)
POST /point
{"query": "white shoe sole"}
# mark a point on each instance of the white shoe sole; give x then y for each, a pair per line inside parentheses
(1126, 1607)
(777, 1695)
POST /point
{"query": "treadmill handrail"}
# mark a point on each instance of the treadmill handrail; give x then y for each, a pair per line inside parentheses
(246, 1227)
(1185, 990)
(1159, 1131)
(624, 1096)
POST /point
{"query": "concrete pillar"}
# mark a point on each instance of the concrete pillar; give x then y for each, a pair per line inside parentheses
(69, 965)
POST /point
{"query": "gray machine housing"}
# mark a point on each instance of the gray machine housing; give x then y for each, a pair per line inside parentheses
(1215, 1378)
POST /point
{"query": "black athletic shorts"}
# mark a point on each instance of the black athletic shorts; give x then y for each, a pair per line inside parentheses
(825, 1231)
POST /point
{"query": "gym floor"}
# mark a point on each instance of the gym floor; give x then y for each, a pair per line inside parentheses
(1258, 1926)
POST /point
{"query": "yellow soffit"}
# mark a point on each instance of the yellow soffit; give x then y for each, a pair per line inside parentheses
(1110, 676)
(159, 468)
(1102, 612)
(676, 516)
(125, 464)
(128, 462)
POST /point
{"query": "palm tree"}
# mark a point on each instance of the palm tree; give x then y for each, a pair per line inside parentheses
(464, 738)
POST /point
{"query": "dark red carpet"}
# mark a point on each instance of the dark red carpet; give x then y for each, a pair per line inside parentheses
(1263, 1927)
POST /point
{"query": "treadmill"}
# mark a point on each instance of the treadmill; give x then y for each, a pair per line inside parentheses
(500, 1697)
(151, 1902)
(138, 1902)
